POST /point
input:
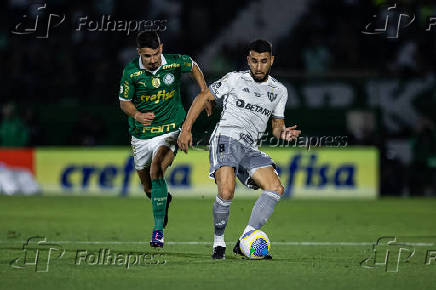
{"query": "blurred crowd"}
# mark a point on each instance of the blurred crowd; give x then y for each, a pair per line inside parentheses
(329, 39)
(84, 66)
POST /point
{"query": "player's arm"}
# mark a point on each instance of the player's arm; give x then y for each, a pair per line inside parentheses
(127, 91)
(185, 137)
(216, 91)
(280, 131)
(130, 110)
(197, 74)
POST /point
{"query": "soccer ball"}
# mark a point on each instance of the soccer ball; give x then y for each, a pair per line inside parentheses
(255, 244)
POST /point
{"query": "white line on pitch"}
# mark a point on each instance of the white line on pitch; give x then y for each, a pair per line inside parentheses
(209, 243)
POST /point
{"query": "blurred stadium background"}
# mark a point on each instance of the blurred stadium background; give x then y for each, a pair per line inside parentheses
(59, 94)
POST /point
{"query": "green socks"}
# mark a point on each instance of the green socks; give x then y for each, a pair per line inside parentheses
(159, 194)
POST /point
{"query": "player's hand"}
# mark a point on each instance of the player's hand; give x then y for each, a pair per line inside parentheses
(144, 118)
(290, 133)
(184, 140)
(208, 107)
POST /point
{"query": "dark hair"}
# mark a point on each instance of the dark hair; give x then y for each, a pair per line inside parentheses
(260, 45)
(149, 39)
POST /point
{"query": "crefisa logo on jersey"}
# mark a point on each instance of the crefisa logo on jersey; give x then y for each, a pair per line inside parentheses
(168, 79)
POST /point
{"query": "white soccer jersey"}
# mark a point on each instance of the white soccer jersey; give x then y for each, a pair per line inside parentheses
(247, 105)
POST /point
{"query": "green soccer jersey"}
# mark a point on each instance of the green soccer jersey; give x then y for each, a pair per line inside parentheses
(157, 92)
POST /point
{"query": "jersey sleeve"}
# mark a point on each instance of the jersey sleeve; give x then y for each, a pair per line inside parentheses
(186, 63)
(279, 111)
(221, 87)
(127, 87)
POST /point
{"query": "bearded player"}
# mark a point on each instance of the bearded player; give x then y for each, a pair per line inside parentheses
(150, 97)
(249, 99)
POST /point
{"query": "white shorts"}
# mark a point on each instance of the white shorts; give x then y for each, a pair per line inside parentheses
(145, 149)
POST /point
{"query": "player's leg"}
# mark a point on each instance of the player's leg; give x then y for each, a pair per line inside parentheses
(144, 177)
(142, 154)
(224, 157)
(267, 179)
(225, 180)
(162, 159)
(257, 172)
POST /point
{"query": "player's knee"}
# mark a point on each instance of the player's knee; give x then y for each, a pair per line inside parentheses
(276, 188)
(279, 189)
(226, 193)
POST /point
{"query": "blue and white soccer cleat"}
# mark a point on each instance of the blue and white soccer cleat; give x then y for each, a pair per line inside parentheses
(157, 239)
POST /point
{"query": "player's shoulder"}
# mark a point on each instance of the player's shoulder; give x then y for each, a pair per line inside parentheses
(275, 84)
(176, 58)
(243, 74)
(132, 66)
(175, 61)
(236, 75)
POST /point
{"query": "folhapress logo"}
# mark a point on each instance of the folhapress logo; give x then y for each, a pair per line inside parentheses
(37, 26)
(390, 252)
(394, 20)
(37, 254)
(391, 20)
(41, 22)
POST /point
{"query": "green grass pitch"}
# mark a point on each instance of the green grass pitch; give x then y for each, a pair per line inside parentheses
(316, 244)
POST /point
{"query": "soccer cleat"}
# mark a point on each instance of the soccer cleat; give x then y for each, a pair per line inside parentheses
(237, 251)
(219, 253)
(169, 198)
(157, 239)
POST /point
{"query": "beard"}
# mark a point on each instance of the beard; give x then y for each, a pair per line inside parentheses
(154, 66)
(257, 80)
